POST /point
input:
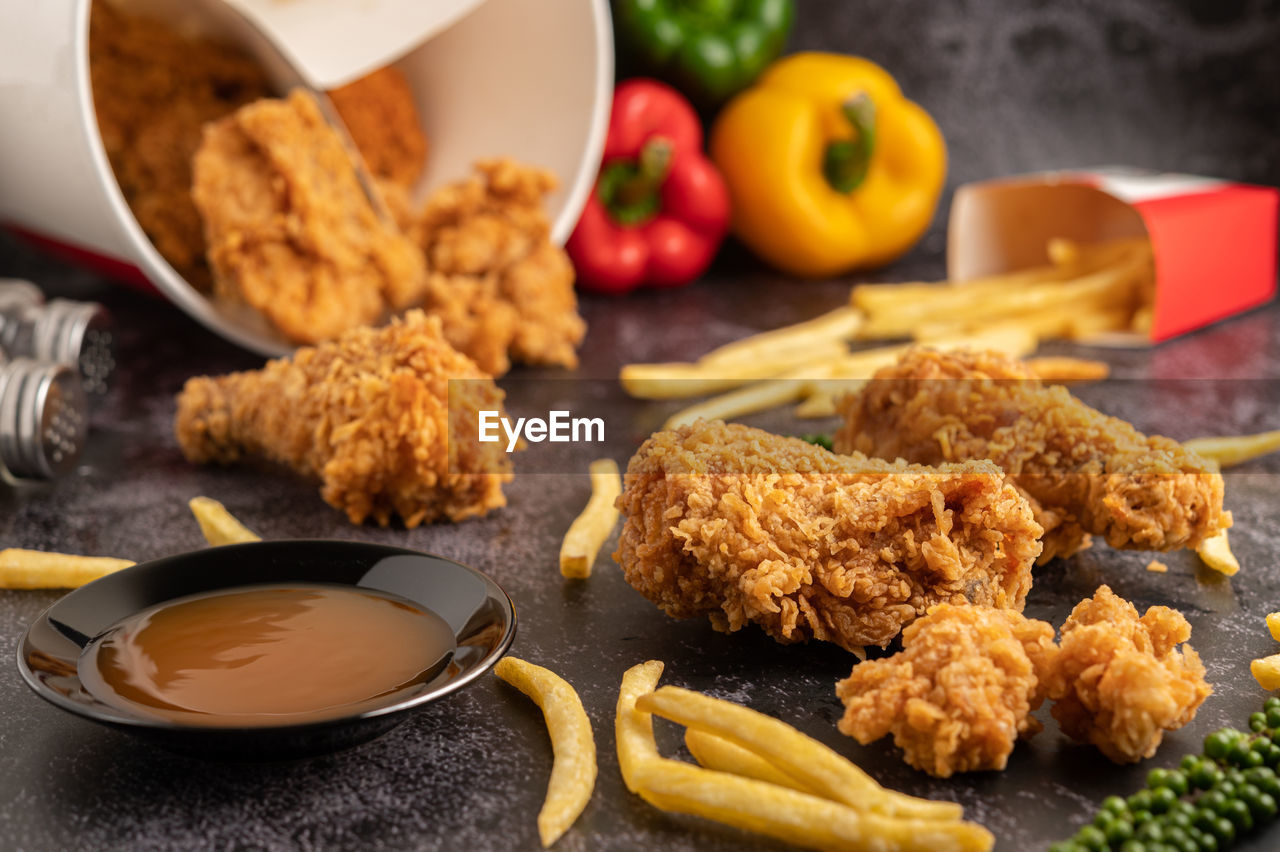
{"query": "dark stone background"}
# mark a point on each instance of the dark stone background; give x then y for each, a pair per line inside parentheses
(1015, 86)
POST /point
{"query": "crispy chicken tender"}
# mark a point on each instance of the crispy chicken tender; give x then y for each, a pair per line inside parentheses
(153, 91)
(380, 115)
(749, 527)
(960, 692)
(373, 415)
(1084, 472)
(503, 290)
(1120, 681)
(290, 232)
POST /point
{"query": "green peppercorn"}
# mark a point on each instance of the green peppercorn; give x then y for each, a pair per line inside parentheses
(1140, 801)
(1091, 837)
(1257, 722)
(1152, 832)
(1141, 818)
(1134, 846)
(1118, 831)
(1206, 774)
(1162, 799)
(1214, 800)
(1264, 807)
(1115, 805)
(1273, 718)
(1224, 830)
(1065, 846)
(1238, 812)
(1157, 778)
(1217, 743)
(1272, 703)
(1176, 781)
(1238, 752)
(1204, 840)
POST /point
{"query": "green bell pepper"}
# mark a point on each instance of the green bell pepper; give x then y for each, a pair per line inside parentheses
(708, 49)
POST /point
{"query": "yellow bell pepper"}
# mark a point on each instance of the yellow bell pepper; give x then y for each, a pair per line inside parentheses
(830, 168)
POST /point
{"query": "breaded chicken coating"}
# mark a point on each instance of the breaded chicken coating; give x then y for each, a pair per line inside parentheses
(1120, 681)
(380, 116)
(1084, 472)
(749, 527)
(153, 91)
(503, 290)
(290, 232)
(960, 692)
(372, 415)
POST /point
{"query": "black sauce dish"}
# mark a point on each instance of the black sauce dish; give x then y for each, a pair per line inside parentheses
(479, 612)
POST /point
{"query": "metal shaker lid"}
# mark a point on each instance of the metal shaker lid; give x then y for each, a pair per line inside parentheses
(44, 419)
(77, 333)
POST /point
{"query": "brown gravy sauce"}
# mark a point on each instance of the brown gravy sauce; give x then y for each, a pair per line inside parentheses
(278, 654)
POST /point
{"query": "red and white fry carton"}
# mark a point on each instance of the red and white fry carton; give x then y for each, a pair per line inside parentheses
(1213, 241)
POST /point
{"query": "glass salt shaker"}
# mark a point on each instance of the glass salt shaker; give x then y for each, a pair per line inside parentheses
(61, 331)
(44, 418)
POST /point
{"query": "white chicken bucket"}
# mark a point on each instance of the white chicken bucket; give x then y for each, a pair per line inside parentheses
(512, 78)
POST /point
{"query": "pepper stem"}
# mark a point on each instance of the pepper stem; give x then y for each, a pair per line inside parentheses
(845, 162)
(630, 189)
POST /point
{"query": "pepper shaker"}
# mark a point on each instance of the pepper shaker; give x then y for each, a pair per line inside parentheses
(60, 330)
(44, 418)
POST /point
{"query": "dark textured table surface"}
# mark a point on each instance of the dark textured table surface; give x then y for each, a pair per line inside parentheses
(1175, 85)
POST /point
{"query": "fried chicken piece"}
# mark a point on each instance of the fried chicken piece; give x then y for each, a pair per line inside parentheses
(382, 120)
(960, 692)
(1084, 472)
(372, 415)
(290, 231)
(503, 290)
(153, 91)
(1120, 681)
(745, 526)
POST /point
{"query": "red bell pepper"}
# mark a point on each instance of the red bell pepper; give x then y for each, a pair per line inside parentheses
(659, 209)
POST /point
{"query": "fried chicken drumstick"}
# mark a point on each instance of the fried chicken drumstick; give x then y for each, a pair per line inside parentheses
(749, 527)
(369, 414)
(1084, 472)
(959, 694)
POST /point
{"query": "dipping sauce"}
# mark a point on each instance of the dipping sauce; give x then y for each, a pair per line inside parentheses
(262, 655)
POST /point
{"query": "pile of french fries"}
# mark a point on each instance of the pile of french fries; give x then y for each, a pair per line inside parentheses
(760, 774)
(1085, 292)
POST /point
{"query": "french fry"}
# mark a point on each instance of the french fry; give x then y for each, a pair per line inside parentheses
(573, 772)
(1215, 552)
(717, 753)
(1266, 671)
(759, 396)
(1061, 370)
(632, 729)
(590, 529)
(1229, 451)
(34, 569)
(1100, 327)
(800, 819)
(217, 524)
(835, 326)
(788, 815)
(680, 380)
(821, 403)
(800, 756)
